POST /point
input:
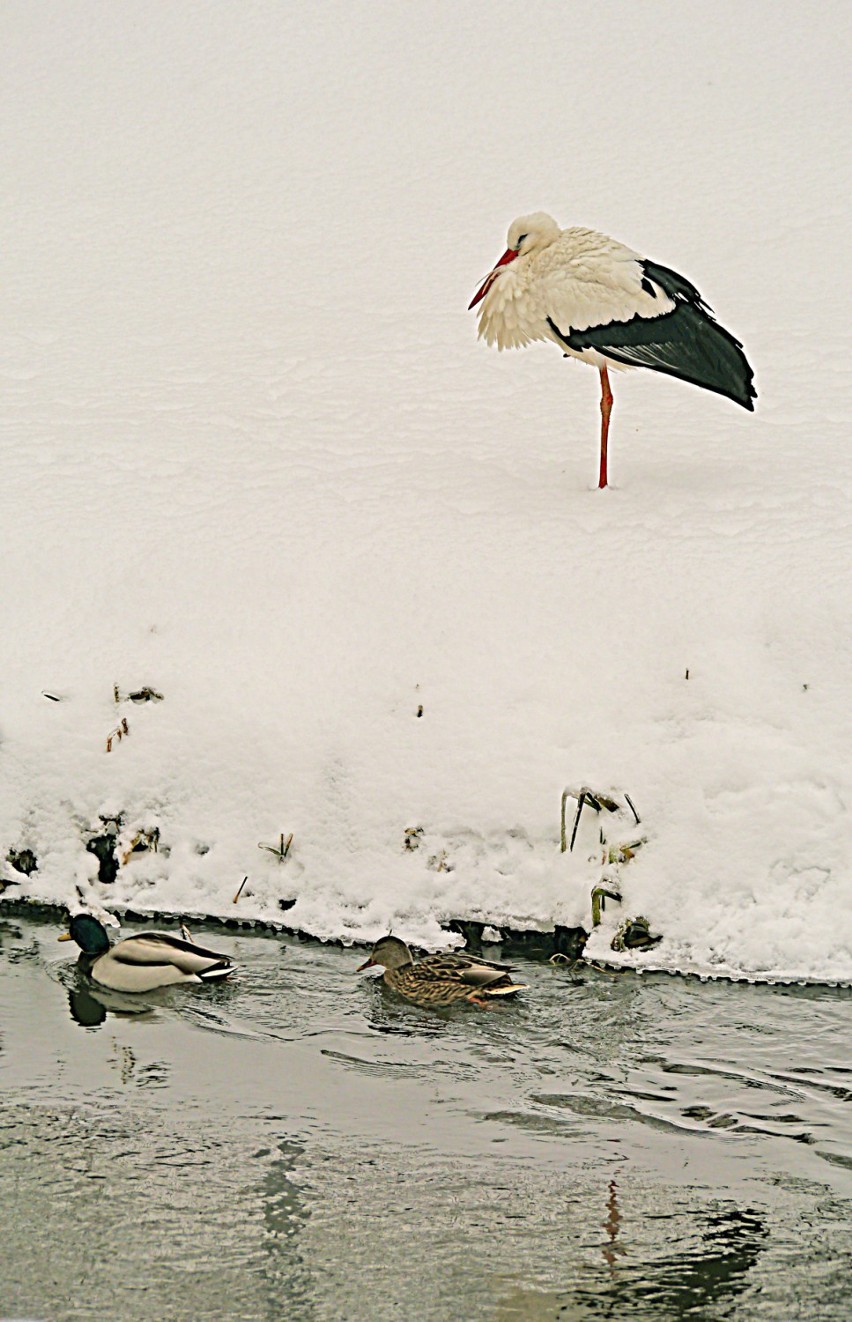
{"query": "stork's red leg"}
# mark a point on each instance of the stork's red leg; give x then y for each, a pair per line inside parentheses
(606, 409)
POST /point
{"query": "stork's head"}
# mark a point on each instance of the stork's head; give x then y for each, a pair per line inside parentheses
(532, 233)
(527, 234)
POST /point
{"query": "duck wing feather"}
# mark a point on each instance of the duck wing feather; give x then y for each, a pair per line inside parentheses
(465, 969)
(159, 949)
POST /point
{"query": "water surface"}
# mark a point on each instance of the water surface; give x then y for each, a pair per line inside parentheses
(298, 1144)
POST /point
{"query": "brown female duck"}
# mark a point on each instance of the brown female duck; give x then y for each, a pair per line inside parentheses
(440, 980)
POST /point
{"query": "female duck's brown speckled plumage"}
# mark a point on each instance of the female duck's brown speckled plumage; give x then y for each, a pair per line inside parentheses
(440, 980)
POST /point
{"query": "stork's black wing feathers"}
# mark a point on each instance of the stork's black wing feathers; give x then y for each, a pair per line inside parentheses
(687, 342)
(676, 286)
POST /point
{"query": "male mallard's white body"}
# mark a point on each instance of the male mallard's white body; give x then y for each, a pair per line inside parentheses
(142, 963)
(156, 959)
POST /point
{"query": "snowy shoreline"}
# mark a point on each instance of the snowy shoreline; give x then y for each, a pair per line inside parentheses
(530, 943)
(255, 462)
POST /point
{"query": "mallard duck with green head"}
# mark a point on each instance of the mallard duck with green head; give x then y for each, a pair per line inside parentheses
(142, 963)
(443, 979)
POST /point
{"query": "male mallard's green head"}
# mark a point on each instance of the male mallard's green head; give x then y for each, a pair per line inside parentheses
(390, 952)
(90, 935)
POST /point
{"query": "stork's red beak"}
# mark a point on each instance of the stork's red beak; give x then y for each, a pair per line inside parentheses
(508, 256)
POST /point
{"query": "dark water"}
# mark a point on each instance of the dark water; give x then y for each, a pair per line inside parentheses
(298, 1145)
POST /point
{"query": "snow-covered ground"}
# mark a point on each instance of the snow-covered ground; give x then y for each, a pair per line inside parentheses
(254, 458)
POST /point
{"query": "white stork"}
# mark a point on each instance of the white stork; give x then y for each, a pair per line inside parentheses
(604, 304)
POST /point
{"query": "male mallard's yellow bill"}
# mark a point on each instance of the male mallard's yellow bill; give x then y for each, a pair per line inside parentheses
(66, 936)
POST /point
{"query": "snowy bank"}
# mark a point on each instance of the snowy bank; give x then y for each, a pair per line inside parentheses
(254, 460)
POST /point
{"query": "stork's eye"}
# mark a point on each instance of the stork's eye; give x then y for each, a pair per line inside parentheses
(521, 238)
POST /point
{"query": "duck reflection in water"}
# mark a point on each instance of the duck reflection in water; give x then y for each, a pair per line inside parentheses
(89, 1009)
